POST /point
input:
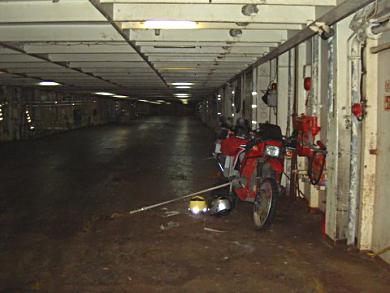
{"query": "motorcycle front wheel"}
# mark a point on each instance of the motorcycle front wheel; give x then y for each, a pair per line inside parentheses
(264, 206)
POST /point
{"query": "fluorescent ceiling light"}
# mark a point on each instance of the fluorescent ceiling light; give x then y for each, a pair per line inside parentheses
(48, 83)
(150, 102)
(174, 47)
(183, 87)
(176, 68)
(169, 24)
(104, 94)
(182, 83)
(120, 97)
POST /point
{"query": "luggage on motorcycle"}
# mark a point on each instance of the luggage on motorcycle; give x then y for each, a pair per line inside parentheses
(222, 133)
(230, 146)
(270, 132)
(242, 127)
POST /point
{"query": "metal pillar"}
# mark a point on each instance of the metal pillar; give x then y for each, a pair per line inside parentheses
(369, 147)
(338, 136)
(355, 71)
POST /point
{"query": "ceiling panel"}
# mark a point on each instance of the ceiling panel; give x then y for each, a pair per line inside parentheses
(76, 43)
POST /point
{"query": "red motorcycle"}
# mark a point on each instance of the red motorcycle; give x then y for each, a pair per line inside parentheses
(253, 161)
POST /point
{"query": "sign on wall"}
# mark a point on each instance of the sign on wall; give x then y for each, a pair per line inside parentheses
(387, 103)
(387, 97)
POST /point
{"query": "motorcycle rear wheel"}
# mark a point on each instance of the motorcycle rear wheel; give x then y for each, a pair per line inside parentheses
(264, 206)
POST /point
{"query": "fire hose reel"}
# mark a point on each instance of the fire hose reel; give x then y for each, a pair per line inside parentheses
(306, 128)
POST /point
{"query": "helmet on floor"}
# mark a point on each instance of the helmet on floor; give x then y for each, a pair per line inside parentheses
(220, 205)
(197, 205)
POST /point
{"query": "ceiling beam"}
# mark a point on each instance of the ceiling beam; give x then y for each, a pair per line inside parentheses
(115, 64)
(125, 12)
(336, 14)
(236, 2)
(227, 25)
(58, 32)
(208, 36)
(195, 44)
(117, 27)
(91, 57)
(152, 51)
(45, 61)
(79, 48)
(48, 11)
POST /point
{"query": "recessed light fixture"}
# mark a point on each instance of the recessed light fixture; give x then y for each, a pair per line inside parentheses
(48, 83)
(120, 97)
(170, 24)
(182, 83)
(254, 93)
(254, 106)
(150, 102)
(104, 94)
(174, 47)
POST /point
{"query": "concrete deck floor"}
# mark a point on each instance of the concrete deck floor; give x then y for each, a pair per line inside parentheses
(58, 196)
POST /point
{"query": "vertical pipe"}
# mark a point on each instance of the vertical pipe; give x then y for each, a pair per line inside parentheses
(354, 71)
(290, 93)
(313, 102)
(294, 181)
(276, 80)
(254, 97)
(330, 102)
(257, 89)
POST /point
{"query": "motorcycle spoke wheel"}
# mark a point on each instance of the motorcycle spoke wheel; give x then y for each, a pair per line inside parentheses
(265, 203)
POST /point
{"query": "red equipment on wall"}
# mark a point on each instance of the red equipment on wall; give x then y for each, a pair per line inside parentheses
(306, 128)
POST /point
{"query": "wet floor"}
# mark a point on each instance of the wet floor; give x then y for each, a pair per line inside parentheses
(58, 196)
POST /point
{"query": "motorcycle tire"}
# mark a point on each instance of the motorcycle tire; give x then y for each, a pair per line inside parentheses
(264, 206)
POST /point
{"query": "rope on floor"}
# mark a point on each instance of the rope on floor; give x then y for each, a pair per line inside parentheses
(177, 199)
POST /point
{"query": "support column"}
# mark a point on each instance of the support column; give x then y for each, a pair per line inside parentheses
(338, 138)
(282, 111)
(369, 145)
(263, 81)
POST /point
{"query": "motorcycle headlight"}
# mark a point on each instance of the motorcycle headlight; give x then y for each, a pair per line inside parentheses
(272, 151)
